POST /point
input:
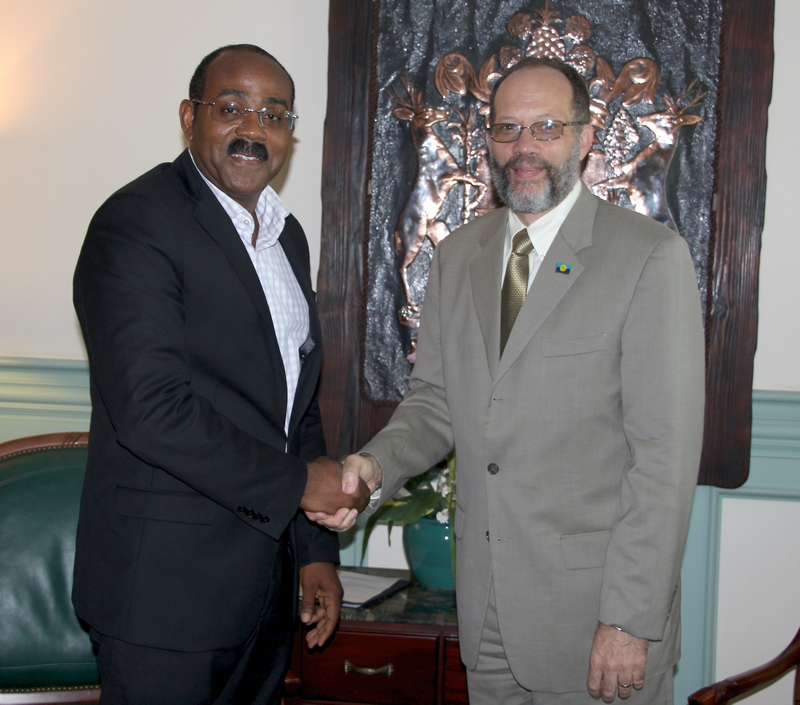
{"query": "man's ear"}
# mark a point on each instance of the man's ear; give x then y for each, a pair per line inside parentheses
(586, 140)
(186, 115)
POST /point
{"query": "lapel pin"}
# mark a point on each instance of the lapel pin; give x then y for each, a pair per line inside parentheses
(563, 268)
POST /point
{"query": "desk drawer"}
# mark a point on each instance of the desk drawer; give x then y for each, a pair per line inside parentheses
(385, 669)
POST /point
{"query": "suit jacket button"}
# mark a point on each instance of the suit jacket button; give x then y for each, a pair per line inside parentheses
(493, 468)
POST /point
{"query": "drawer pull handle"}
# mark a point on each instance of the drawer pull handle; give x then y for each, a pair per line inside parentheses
(386, 670)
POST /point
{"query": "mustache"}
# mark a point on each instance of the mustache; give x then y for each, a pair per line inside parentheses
(248, 149)
(528, 161)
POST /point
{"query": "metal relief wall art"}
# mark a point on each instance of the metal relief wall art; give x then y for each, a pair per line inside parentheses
(652, 73)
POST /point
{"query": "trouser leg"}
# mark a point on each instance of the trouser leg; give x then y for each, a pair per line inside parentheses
(491, 681)
(251, 673)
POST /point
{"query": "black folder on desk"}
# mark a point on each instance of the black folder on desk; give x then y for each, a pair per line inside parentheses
(364, 590)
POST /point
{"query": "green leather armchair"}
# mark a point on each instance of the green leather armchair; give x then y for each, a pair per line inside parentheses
(45, 656)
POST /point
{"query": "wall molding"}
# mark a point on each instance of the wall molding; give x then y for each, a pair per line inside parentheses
(43, 396)
(776, 425)
(31, 386)
(27, 380)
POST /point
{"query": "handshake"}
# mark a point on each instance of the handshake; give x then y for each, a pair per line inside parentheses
(337, 491)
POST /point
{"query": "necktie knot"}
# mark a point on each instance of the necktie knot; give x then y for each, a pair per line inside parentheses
(521, 244)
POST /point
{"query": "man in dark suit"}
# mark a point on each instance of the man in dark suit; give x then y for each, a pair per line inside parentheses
(194, 297)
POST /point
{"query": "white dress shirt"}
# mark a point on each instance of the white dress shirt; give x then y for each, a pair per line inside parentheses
(542, 232)
(287, 304)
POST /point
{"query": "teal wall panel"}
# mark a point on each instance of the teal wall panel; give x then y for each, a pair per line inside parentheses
(699, 578)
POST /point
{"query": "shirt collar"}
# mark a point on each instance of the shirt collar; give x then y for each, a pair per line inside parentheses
(270, 211)
(543, 230)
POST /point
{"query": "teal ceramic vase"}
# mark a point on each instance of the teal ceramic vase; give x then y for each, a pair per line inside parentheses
(429, 552)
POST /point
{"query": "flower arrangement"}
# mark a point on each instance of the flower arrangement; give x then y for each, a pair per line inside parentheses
(431, 494)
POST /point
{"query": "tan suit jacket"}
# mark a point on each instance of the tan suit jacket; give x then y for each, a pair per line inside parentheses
(577, 450)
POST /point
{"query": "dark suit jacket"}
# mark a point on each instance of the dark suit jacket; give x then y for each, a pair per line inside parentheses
(191, 481)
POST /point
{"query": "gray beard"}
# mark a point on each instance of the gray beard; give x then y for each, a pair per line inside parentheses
(559, 183)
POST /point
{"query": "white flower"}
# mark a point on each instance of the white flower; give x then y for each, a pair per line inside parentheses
(440, 483)
(442, 517)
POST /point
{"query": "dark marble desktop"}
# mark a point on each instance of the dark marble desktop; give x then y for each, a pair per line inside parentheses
(411, 605)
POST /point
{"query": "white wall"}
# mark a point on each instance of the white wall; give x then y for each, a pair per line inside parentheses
(778, 354)
(90, 92)
(757, 608)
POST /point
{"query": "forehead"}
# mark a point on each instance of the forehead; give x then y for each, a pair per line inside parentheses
(537, 91)
(254, 75)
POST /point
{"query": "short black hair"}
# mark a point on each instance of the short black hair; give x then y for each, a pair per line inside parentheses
(580, 94)
(197, 84)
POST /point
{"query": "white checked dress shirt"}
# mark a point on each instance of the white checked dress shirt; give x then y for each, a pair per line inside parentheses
(287, 304)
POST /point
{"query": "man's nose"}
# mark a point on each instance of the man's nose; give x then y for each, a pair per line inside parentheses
(526, 144)
(250, 126)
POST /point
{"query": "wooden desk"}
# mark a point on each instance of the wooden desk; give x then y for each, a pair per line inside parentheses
(403, 651)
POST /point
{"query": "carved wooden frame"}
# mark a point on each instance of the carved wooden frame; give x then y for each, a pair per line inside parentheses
(738, 216)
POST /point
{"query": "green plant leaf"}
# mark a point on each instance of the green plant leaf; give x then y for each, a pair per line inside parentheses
(421, 501)
(410, 509)
(368, 527)
(400, 512)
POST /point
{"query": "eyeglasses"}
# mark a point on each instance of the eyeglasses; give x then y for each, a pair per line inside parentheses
(542, 131)
(231, 112)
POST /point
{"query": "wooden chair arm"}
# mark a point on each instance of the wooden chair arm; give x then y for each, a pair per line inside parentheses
(729, 688)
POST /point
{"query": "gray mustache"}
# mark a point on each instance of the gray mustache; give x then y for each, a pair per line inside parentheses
(527, 161)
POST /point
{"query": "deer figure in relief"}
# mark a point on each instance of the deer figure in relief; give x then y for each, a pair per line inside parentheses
(644, 176)
(437, 173)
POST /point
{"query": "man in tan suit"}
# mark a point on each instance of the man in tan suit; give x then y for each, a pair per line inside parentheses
(561, 356)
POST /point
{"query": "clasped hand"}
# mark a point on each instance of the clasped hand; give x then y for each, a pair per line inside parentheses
(337, 492)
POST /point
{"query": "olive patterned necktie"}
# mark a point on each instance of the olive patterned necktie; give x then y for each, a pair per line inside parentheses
(515, 284)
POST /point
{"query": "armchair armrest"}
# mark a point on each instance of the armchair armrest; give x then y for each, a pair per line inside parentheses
(725, 690)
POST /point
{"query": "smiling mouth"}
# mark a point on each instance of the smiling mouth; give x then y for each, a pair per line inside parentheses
(526, 169)
(248, 151)
(528, 177)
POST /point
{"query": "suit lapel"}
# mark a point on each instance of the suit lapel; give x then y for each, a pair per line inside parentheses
(485, 275)
(312, 360)
(215, 221)
(549, 285)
